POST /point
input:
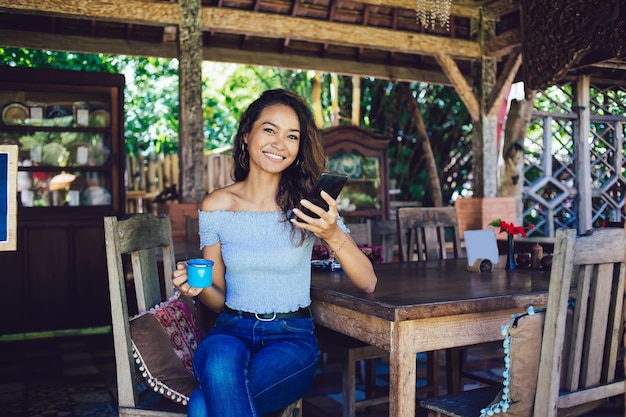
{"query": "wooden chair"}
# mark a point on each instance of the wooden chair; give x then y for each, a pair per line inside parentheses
(594, 264)
(352, 352)
(385, 234)
(361, 233)
(422, 233)
(148, 241)
(428, 233)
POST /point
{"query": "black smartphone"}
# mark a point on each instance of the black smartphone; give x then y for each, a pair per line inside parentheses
(329, 182)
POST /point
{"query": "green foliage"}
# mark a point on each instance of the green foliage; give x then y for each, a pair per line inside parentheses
(228, 89)
(151, 105)
(448, 126)
(152, 102)
(21, 57)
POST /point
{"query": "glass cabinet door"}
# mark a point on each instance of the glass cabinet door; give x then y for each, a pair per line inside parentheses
(362, 191)
(362, 156)
(65, 141)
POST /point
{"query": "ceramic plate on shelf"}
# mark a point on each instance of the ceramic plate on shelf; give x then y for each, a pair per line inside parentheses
(96, 196)
(14, 114)
(346, 163)
(99, 118)
(53, 112)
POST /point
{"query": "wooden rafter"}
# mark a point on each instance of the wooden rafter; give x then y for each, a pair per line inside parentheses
(275, 26)
(503, 82)
(216, 19)
(503, 44)
(461, 85)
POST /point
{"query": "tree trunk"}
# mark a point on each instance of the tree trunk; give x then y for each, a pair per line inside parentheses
(431, 163)
(512, 171)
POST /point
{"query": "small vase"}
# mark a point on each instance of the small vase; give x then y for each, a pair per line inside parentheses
(510, 254)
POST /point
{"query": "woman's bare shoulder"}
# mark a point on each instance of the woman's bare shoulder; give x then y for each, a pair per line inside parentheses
(221, 199)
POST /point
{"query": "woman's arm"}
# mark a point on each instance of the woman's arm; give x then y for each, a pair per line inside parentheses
(212, 297)
(355, 264)
(353, 261)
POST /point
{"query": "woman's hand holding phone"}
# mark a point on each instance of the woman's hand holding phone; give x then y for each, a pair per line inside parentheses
(329, 182)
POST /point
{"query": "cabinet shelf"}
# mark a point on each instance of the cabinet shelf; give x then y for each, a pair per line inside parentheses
(77, 168)
(78, 129)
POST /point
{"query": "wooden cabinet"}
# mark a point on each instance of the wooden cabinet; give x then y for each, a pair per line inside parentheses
(362, 155)
(69, 129)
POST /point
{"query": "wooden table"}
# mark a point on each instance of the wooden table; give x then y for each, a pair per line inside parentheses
(423, 306)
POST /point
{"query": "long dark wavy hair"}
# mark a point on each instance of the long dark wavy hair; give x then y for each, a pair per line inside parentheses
(298, 180)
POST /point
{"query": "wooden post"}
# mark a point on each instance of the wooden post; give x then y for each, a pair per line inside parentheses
(583, 160)
(484, 143)
(191, 130)
(356, 100)
(334, 97)
(317, 100)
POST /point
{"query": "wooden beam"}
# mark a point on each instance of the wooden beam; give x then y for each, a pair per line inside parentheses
(328, 65)
(461, 85)
(86, 44)
(89, 45)
(128, 11)
(309, 30)
(143, 8)
(254, 24)
(503, 83)
(497, 8)
(503, 44)
(458, 8)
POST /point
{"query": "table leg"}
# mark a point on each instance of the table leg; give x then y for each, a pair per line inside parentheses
(402, 374)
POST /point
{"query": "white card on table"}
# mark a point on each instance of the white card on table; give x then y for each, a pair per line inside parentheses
(481, 244)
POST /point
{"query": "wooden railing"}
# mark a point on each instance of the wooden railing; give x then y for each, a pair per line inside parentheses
(149, 176)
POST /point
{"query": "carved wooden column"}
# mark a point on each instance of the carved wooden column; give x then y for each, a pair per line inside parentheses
(483, 98)
(191, 131)
(484, 132)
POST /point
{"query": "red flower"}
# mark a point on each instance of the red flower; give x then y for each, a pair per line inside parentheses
(510, 228)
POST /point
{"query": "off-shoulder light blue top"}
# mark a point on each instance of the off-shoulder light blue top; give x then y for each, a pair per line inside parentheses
(265, 271)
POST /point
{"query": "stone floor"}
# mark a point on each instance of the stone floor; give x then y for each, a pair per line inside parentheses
(75, 376)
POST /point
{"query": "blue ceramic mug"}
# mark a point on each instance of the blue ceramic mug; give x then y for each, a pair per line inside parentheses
(199, 273)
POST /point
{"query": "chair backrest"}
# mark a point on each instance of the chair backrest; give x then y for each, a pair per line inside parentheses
(192, 228)
(422, 233)
(385, 234)
(594, 263)
(148, 241)
(361, 233)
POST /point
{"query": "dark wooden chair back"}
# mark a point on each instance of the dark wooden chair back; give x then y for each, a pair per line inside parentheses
(361, 233)
(595, 264)
(424, 233)
(385, 234)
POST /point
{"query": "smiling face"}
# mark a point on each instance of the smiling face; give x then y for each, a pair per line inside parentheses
(274, 140)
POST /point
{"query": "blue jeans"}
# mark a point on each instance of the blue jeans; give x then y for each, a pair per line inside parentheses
(249, 368)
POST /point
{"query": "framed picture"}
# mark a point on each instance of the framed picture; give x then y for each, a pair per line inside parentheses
(8, 197)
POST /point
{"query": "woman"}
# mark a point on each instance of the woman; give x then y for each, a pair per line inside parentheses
(262, 353)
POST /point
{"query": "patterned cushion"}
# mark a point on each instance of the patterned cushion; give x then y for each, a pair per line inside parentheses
(164, 341)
